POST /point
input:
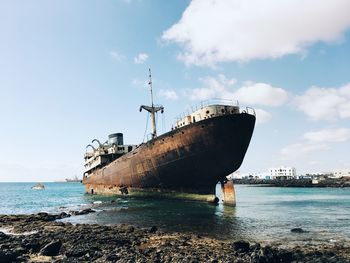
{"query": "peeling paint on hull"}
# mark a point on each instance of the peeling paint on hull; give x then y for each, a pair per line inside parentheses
(187, 160)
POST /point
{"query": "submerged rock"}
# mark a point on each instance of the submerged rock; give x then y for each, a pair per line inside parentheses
(83, 212)
(298, 230)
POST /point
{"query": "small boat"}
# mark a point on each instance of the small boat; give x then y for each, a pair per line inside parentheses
(38, 186)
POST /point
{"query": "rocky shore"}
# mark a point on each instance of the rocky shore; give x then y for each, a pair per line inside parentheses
(43, 238)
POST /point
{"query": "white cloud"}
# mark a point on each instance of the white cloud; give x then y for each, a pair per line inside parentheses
(213, 88)
(298, 150)
(140, 83)
(315, 141)
(325, 103)
(261, 94)
(328, 135)
(243, 30)
(250, 93)
(141, 58)
(262, 116)
(116, 55)
(168, 94)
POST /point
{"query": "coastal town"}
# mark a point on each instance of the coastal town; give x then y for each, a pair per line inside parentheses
(288, 176)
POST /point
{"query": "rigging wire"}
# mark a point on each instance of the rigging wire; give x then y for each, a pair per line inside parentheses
(144, 135)
(157, 120)
(163, 122)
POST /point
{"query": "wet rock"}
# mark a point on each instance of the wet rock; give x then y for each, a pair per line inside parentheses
(51, 249)
(42, 214)
(241, 246)
(8, 255)
(83, 212)
(32, 246)
(113, 257)
(298, 230)
(3, 236)
(285, 256)
(77, 252)
(153, 229)
(255, 246)
(126, 228)
(63, 215)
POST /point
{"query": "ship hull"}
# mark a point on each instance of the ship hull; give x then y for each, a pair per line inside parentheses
(184, 163)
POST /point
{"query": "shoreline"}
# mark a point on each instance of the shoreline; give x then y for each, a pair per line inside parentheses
(333, 183)
(42, 237)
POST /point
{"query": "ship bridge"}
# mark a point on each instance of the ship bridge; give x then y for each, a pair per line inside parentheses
(209, 109)
(107, 152)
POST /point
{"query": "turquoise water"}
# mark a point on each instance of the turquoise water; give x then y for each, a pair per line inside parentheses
(262, 213)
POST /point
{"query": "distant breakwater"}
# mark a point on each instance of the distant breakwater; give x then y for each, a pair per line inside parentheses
(328, 182)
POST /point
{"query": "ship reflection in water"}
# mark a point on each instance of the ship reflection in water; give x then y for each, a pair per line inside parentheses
(168, 215)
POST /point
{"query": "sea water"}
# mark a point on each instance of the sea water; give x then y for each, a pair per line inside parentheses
(261, 214)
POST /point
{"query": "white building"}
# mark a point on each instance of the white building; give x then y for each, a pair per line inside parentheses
(282, 172)
(341, 173)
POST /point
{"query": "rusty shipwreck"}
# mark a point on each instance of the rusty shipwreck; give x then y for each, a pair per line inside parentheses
(202, 148)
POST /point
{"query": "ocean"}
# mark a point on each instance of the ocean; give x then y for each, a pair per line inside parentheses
(263, 214)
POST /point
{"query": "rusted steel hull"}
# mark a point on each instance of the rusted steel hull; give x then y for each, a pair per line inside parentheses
(186, 162)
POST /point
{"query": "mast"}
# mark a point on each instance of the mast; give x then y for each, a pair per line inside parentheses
(153, 109)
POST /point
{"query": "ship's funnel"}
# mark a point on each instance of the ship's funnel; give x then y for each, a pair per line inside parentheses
(116, 138)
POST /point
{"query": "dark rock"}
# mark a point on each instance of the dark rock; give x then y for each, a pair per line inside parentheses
(77, 252)
(113, 257)
(153, 229)
(268, 255)
(298, 230)
(130, 229)
(63, 215)
(285, 256)
(255, 246)
(241, 246)
(8, 255)
(33, 246)
(83, 212)
(51, 249)
(42, 214)
(3, 236)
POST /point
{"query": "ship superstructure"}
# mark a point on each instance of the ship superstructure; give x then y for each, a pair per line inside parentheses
(105, 153)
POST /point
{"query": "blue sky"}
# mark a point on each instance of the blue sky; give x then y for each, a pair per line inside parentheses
(72, 71)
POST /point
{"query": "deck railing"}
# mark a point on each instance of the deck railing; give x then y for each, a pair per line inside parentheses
(249, 110)
(205, 103)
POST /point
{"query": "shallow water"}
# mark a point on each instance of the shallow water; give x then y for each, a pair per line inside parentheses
(261, 214)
